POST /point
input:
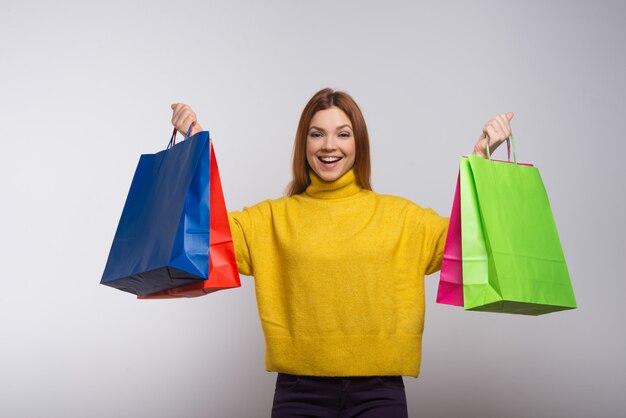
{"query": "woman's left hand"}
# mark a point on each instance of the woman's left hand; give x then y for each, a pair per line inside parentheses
(498, 130)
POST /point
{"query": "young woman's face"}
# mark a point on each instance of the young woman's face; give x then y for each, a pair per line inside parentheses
(330, 148)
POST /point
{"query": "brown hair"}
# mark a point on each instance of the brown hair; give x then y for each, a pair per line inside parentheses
(322, 100)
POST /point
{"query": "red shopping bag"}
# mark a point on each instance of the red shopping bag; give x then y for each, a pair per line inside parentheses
(223, 273)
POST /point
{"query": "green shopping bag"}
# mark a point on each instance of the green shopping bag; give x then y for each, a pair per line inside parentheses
(512, 257)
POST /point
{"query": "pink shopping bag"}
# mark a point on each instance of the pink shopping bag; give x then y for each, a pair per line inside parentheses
(450, 290)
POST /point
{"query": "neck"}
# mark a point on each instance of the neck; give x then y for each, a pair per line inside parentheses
(343, 187)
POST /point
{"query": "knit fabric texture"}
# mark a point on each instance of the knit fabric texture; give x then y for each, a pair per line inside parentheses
(339, 278)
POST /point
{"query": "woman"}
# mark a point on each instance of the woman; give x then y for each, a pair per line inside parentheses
(339, 270)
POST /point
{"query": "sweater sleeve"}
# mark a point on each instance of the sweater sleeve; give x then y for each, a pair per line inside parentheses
(241, 228)
(436, 229)
(247, 227)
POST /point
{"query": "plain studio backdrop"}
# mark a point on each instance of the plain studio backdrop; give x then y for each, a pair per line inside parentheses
(86, 88)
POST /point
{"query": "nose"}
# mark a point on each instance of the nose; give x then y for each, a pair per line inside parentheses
(329, 143)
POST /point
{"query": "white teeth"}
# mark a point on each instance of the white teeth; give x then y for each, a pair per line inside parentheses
(329, 159)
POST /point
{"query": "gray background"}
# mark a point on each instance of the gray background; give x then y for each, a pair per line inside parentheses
(86, 87)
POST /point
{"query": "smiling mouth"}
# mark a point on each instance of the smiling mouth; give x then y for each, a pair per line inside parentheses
(329, 160)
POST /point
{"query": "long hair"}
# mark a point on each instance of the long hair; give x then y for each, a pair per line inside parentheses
(322, 100)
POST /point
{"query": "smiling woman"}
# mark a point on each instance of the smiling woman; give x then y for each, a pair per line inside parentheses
(330, 146)
(339, 269)
(330, 119)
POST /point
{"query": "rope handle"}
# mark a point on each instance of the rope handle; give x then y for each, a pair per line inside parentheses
(173, 138)
(510, 141)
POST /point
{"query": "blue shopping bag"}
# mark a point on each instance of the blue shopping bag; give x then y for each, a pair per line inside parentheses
(162, 240)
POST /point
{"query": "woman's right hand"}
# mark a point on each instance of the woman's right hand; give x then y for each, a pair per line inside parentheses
(183, 117)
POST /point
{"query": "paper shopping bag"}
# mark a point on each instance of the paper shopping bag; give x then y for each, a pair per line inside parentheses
(162, 239)
(223, 273)
(512, 256)
(450, 290)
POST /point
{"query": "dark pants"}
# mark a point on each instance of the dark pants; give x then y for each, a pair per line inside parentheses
(339, 397)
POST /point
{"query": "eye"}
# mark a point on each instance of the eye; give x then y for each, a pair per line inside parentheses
(345, 135)
(315, 134)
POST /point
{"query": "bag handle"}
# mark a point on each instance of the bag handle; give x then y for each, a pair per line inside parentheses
(510, 141)
(173, 138)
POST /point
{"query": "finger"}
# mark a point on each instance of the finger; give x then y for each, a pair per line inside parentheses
(178, 121)
(480, 143)
(493, 134)
(510, 115)
(176, 118)
(507, 123)
(186, 123)
(173, 106)
(180, 108)
(182, 116)
(505, 129)
(500, 129)
(177, 108)
(497, 123)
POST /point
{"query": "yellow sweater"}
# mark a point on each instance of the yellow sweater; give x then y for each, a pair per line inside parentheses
(339, 278)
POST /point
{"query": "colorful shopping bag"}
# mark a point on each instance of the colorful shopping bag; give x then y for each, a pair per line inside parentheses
(162, 239)
(450, 290)
(223, 273)
(512, 260)
(512, 256)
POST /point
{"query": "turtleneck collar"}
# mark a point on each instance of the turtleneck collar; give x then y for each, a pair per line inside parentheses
(344, 186)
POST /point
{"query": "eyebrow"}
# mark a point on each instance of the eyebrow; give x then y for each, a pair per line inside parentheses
(338, 127)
